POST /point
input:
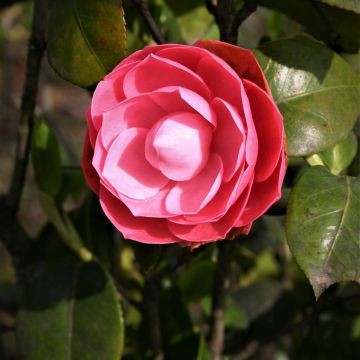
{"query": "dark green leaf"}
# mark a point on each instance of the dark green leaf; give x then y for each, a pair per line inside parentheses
(46, 159)
(352, 5)
(86, 39)
(71, 311)
(311, 84)
(323, 227)
(337, 27)
(64, 226)
(197, 280)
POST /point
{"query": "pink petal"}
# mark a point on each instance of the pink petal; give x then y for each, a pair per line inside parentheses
(151, 207)
(221, 79)
(91, 176)
(229, 137)
(241, 60)
(188, 197)
(211, 231)
(108, 93)
(146, 230)
(126, 168)
(264, 194)
(155, 72)
(139, 111)
(99, 157)
(143, 53)
(181, 99)
(269, 129)
(91, 128)
(178, 145)
(188, 57)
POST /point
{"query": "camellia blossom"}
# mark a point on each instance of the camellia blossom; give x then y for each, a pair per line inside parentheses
(185, 144)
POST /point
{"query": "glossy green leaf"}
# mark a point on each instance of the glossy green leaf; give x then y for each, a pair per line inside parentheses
(337, 27)
(323, 228)
(71, 311)
(46, 159)
(86, 39)
(340, 156)
(352, 5)
(64, 226)
(311, 84)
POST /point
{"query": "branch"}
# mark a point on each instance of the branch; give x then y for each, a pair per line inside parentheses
(136, 304)
(246, 10)
(221, 287)
(36, 50)
(149, 20)
(227, 19)
(151, 297)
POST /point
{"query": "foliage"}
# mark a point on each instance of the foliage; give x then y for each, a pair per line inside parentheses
(82, 291)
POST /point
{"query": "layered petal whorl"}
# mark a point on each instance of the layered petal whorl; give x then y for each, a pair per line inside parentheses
(184, 143)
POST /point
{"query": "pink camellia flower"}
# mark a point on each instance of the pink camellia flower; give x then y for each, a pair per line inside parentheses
(185, 144)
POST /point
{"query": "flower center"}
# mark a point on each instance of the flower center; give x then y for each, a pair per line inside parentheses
(178, 145)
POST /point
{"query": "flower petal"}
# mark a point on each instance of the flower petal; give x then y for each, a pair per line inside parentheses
(178, 145)
(146, 230)
(155, 72)
(241, 60)
(264, 194)
(188, 197)
(269, 129)
(108, 93)
(229, 137)
(126, 168)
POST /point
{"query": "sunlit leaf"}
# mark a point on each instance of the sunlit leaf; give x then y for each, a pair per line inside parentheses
(323, 228)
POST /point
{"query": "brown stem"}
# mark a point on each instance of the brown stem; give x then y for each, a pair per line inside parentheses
(149, 20)
(35, 54)
(222, 282)
(227, 19)
(151, 297)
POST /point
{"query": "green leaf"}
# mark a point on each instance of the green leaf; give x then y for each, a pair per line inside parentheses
(46, 159)
(71, 311)
(311, 84)
(352, 5)
(340, 156)
(86, 39)
(197, 280)
(203, 353)
(323, 227)
(64, 226)
(337, 27)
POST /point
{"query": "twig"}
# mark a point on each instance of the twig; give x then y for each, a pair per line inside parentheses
(136, 304)
(246, 10)
(35, 54)
(221, 287)
(227, 19)
(151, 297)
(149, 20)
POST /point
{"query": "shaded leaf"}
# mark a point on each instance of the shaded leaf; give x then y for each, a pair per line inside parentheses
(337, 27)
(352, 5)
(203, 352)
(71, 311)
(311, 84)
(46, 159)
(64, 226)
(197, 280)
(86, 39)
(323, 228)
